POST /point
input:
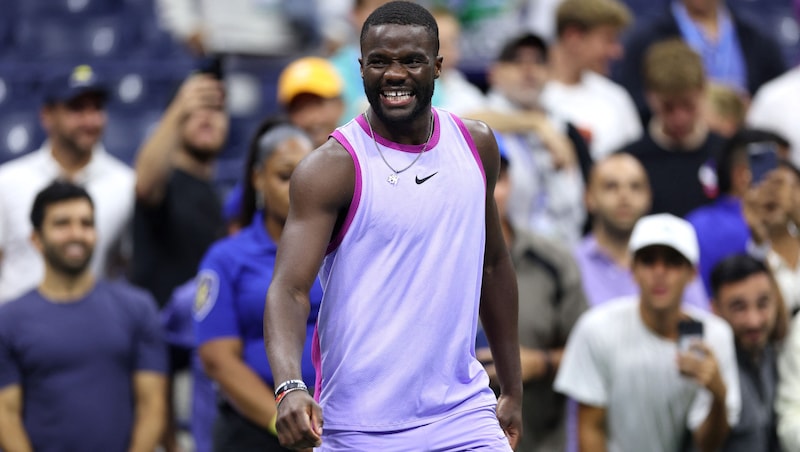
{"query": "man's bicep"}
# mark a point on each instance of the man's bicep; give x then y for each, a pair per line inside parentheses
(591, 427)
(11, 398)
(149, 385)
(591, 416)
(582, 373)
(320, 193)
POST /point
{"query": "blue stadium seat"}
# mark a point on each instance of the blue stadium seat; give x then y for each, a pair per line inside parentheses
(18, 91)
(240, 132)
(68, 8)
(228, 172)
(20, 133)
(6, 30)
(158, 43)
(125, 132)
(264, 71)
(775, 18)
(646, 8)
(137, 89)
(70, 39)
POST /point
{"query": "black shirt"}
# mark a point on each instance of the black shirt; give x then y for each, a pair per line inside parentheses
(171, 238)
(675, 174)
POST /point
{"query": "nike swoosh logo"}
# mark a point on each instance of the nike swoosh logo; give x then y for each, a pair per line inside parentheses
(419, 181)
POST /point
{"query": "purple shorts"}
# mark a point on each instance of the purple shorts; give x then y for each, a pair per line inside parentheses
(474, 430)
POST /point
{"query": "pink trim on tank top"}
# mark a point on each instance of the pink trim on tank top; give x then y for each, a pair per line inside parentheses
(412, 148)
(316, 360)
(468, 137)
(351, 212)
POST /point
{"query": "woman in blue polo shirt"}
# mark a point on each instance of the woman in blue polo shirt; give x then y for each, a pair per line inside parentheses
(232, 287)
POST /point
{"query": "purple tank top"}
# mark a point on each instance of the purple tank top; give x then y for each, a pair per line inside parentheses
(402, 281)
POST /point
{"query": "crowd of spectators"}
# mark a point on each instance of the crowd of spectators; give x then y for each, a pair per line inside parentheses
(181, 122)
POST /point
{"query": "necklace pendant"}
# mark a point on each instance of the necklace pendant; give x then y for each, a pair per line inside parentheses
(392, 179)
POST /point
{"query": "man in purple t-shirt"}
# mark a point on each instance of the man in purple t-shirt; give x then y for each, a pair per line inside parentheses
(617, 195)
(88, 354)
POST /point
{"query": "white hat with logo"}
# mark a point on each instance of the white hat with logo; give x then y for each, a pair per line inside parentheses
(667, 230)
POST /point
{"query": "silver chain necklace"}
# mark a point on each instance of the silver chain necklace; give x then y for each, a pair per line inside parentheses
(393, 177)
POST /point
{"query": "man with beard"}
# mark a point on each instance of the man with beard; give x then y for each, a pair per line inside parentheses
(618, 194)
(73, 115)
(178, 213)
(638, 385)
(396, 213)
(81, 360)
(544, 151)
(746, 296)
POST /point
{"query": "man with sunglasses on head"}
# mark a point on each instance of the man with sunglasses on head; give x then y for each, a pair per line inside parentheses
(637, 386)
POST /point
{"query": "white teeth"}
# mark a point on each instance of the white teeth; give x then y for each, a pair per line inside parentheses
(397, 93)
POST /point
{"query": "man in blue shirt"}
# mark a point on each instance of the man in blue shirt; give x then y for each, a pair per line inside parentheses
(88, 353)
(721, 226)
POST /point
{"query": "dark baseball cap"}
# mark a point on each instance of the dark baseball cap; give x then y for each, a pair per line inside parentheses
(509, 51)
(81, 80)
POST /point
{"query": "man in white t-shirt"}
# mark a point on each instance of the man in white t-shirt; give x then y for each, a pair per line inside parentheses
(578, 90)
(74, 117)
(636, 389)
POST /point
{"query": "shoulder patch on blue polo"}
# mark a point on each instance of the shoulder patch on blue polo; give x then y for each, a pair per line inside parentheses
(206, 295)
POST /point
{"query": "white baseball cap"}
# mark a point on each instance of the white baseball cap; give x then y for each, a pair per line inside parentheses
(667, 230)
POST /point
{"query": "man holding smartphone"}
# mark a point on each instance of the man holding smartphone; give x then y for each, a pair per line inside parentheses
(636, 389)
(740, 168)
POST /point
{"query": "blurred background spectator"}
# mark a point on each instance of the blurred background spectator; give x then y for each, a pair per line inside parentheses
(677, 141)
(74, 115)
(146, 49)
(734, 52)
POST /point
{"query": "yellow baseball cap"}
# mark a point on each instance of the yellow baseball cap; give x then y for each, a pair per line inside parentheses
(311, 75)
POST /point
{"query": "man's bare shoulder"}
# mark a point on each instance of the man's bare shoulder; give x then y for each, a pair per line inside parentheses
(484, 140)
(326, 172)
(480, 131)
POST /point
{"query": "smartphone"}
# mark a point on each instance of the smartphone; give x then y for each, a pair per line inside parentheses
(213, 66)
(689, 332)
(763, 158)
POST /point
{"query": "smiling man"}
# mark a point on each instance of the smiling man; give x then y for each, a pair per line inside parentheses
(74, 116)
(397, 211)
(746, 296)
(636, 389)
(81, 360)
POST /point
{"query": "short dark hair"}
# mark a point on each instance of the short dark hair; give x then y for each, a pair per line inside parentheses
(739, 267)
(56, 192)
(735, 268)
(509, 51)
(735, 150)
(403, 13)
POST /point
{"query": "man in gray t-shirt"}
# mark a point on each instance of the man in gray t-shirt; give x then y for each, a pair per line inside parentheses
(746, 296)
(636, 388)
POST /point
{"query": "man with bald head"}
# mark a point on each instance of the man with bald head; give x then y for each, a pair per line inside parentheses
(617, 195)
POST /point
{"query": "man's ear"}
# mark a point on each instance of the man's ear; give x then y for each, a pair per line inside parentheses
(439, 60)
(36, 239)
